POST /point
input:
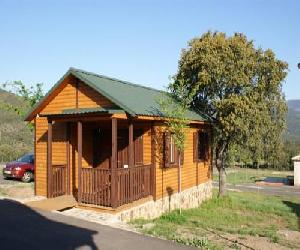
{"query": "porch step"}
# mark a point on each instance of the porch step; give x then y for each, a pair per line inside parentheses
(57, 203)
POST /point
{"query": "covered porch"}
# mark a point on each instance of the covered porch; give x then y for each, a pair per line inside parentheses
(104, 159)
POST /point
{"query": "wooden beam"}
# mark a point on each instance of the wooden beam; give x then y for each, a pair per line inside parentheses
(114, 156)
(49, 160)
(34, 173)
(79, 151)
(130, 156)
(68, 172)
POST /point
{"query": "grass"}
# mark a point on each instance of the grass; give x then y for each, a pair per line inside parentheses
(238, 213)
(248, 175)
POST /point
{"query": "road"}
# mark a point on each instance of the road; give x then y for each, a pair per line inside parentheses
(270, 190)
(24, 228)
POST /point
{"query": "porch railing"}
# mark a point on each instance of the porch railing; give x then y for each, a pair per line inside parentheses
(59, 174)
(96, 186)
(132, 183)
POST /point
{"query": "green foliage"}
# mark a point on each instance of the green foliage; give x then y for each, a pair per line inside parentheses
(174, 108)
(16, 136)
(240, 86)
(31, 96)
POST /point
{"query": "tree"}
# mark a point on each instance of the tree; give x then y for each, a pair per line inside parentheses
(174, 109)
(240, 87)
(31, 95)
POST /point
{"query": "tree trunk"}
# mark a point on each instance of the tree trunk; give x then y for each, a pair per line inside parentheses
(222, 174)
(222, 181)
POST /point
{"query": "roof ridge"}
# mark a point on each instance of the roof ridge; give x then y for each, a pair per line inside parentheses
(116, 80)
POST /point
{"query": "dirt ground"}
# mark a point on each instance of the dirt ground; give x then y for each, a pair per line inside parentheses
(288, 240)
(15, 189)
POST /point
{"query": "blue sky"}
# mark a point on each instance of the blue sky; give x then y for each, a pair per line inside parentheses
(138, 41)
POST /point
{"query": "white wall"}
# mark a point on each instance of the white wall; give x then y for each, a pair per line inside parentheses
(297, 173)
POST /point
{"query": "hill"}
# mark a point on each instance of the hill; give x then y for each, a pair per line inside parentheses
(293, 120)
(16, 138)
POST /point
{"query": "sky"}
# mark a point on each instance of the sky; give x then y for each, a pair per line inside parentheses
(138, 41)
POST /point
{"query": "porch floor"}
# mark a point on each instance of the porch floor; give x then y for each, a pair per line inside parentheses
(57, 203)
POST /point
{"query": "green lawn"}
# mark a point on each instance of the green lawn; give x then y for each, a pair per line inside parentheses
(239, 214)
(248, 175)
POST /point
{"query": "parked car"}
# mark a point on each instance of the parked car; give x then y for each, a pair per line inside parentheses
(23, 168)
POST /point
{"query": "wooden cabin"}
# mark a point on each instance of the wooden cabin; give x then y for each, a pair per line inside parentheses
(104, 141)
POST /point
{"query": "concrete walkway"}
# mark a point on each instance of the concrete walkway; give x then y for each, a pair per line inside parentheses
(22, 227)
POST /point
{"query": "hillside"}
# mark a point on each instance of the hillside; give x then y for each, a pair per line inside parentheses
(16, 138)
(293, 120)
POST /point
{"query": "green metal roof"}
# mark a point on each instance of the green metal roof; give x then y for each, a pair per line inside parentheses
(87, 111)
(134, 99)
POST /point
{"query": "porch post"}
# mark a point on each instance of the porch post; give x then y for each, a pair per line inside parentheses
(68, 170)
(49, 159)
(153, 162)
(114, 156)
(130, 156)
(79, 150)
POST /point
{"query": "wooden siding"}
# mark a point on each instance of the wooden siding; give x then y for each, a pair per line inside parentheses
(73, 93)
(147, 145)
(58, 151)
(64, 99)
(89, 98)
(167, 178)
(41, 128)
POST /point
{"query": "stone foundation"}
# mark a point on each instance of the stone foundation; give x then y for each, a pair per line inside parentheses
(189, 198)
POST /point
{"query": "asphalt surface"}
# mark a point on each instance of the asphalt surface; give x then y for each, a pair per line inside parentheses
(22, 227)
(270, 190)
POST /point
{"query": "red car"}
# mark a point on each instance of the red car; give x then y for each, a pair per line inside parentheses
(22, 169)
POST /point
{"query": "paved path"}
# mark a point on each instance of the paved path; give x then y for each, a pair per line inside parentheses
(249, 187)
(22, 227)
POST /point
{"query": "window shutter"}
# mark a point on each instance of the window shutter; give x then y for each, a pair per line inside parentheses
(166, 152)
(206, 139)
(195, 148)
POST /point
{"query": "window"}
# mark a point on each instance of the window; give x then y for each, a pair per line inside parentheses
(171, 153)
(201, 146)
(28, 158)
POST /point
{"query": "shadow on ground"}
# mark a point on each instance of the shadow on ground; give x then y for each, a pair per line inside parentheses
(23, 228)
(295, 208)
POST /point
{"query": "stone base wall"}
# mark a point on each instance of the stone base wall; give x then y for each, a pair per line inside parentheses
(189, 198)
